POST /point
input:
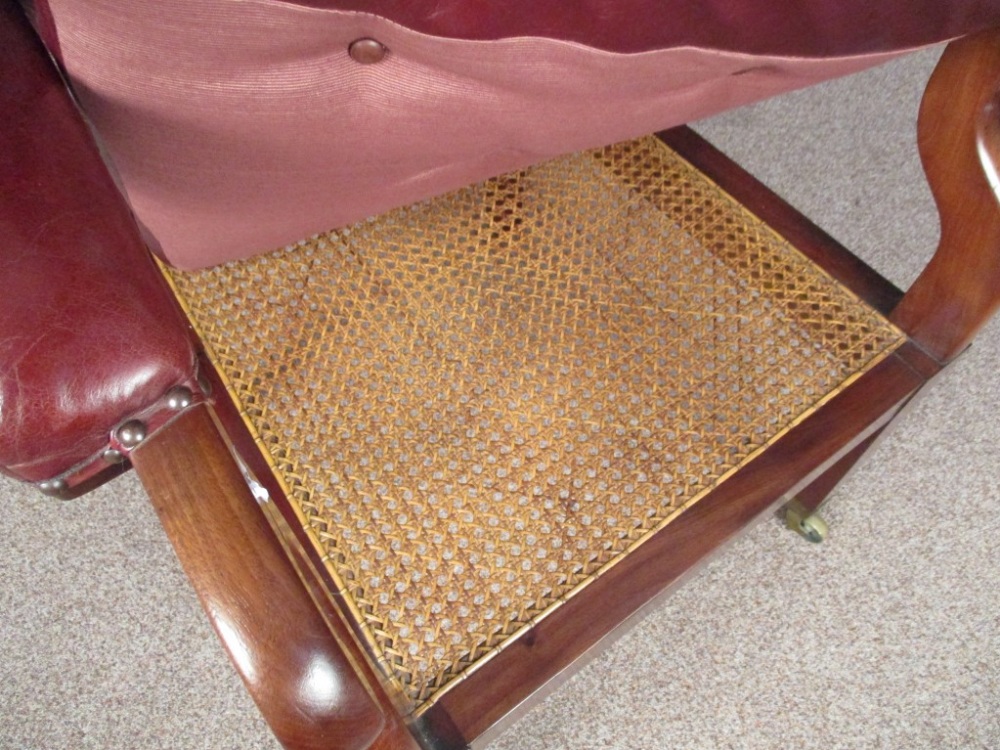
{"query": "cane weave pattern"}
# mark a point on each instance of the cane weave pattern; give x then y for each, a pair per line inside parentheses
(478, 403)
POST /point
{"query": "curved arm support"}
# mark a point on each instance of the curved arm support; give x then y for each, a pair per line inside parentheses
(294, 665)
(959, 140)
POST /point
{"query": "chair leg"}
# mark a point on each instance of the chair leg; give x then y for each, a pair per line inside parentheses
(815, 494)
(800, 512)
(301, 667)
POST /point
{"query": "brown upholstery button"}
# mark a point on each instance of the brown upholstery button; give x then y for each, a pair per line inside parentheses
(366, 51)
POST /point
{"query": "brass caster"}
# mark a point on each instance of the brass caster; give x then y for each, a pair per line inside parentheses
(807, 524)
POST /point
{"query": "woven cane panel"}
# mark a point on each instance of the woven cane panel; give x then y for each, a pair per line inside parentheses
(479, 402)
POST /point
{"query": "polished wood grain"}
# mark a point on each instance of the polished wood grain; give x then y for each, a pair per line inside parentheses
(784, 219)
(555, 643)
(959, 140)
(299, 671)
(816, 492)
(959, 136)
(267, 594)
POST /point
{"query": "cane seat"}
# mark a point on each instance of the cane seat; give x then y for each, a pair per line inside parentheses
(478, 404)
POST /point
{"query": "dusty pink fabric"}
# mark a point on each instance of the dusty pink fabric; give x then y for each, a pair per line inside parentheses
(237, 127)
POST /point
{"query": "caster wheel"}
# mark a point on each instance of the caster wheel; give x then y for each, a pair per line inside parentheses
(809, 525)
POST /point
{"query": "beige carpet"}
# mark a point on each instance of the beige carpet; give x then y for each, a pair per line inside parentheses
(888, 635)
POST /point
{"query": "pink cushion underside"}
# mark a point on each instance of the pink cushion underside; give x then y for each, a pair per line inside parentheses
(238, 132)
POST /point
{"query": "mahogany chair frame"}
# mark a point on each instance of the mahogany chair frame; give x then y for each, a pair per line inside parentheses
(266, 595)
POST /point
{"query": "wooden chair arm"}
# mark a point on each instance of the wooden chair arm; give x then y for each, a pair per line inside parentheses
(959, 141)
(292, 659)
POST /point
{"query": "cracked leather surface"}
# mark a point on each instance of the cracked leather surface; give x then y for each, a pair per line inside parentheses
(88, 332)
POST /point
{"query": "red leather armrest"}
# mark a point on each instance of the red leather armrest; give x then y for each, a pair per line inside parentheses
(89, 335)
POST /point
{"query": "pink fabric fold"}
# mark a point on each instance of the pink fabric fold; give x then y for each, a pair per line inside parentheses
(238, 127)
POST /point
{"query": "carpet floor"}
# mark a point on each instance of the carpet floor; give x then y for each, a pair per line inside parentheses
(885, 636)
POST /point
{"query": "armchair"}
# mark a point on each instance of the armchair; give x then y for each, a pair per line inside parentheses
(293, 630)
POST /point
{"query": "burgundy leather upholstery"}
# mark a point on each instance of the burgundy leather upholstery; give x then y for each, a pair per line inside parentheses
(810, 28)
(88, 333)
